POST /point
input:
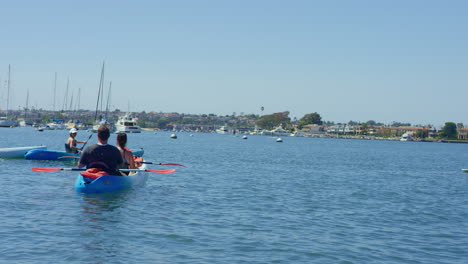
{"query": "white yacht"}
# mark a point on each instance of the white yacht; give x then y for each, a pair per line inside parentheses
(277, 131)
(127, 124)
(222, 130)
(406, 137)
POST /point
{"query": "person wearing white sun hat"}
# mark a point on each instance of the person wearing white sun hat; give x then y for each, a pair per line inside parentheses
(70, 146)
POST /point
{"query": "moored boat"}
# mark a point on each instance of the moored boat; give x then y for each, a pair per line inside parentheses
(127, 124)
(110, 183)
(44, 154)
(14, 153)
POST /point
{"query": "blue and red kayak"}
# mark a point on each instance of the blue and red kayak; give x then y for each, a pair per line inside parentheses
(43, 154)
(110, 183)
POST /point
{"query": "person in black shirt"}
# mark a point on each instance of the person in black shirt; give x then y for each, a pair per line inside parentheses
(102, 155)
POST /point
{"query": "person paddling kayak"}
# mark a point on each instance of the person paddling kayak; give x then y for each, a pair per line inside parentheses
(70, 146)
(102, 155)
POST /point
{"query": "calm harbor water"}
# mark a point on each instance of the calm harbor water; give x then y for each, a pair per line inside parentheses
(306, 200)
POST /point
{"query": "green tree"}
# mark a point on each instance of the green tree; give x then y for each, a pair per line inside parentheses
(271, 121)
(449, 131)
(422, 133)
(313, 118)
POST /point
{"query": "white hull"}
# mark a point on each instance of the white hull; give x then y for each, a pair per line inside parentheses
(128, 129)
(8, 123)
(12, 153)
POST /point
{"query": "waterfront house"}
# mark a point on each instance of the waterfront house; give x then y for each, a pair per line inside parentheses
(463, 133)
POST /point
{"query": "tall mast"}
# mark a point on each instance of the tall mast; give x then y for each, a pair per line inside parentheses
(70, 108)
(8, 93)
(99, 91)
(108, 99)
(79, 99)
(55, 88)
(65, 100)
(27, 105)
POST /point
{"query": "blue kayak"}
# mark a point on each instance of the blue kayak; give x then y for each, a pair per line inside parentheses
(43, 154)
(110, 183)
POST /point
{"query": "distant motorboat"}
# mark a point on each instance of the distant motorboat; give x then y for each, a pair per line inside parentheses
(174, 136)
(222, 130)
(406, 137)
(244, 137)
(277, 131)
(127, 124)
(279, 140)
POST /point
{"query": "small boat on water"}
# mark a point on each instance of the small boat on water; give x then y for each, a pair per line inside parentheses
(43, 154)
(15, 153)
(110, 183)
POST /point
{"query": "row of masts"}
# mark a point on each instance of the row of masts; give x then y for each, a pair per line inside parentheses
(67, 106)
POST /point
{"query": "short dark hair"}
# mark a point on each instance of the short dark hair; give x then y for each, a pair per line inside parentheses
(103, 133)
(122, 139)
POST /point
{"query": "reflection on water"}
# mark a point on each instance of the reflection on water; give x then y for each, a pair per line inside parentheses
(97, 207)
(101, 215)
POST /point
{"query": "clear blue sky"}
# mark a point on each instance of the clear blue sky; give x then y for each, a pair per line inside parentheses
(386, 61)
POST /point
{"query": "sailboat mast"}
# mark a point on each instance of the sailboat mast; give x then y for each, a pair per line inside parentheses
(55, 89)
(108, 99)
(27, 105)
(99, 91)
(70, 108)
(8, 91)
(65, 103)
(79, 99)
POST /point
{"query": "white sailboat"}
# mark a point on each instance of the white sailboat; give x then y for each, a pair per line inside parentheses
(5, 121)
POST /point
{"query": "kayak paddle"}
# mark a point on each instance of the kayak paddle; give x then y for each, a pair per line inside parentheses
(153, 163)
(38, 169)
(144, 162)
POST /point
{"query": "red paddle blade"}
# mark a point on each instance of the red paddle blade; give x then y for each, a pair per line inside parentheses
(175, 164)
(37, 169)
(162, 171)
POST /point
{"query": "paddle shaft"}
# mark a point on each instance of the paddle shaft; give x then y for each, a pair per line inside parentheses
(37, 169)
(153, 163)
(87, 141)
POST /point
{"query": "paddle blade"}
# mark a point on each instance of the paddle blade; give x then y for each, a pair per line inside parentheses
(69, 157)
(174, 164)
(37, 169)
(162, 171)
